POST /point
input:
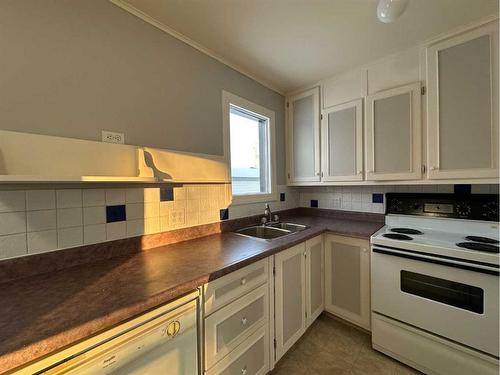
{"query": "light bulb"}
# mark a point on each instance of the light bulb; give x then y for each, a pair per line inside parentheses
(389, 10)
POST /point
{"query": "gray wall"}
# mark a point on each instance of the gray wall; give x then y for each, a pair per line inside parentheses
(74, 68)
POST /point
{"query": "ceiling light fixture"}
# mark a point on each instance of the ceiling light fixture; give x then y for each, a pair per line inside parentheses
(389, 10)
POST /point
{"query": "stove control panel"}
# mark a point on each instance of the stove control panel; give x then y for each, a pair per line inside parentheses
(459, 206)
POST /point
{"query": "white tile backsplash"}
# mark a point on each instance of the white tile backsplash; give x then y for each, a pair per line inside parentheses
(115, 197)
(13, 245)
(116, 231)
(94, 233)
(41, 220)
(12, 223)
(31, 223)
(94, 215)
(70, 237)
(69, 198)
(42, 241)
(11, 201)
(40, 199)
(93, 197)
(69, 217)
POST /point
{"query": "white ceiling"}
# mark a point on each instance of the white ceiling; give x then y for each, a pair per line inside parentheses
(290, 43)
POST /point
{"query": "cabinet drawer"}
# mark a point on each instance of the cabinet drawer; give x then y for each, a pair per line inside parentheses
(249, 358)
(220, 292)
(228, 327)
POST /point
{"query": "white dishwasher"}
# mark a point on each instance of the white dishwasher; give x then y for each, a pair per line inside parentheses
(163, 341)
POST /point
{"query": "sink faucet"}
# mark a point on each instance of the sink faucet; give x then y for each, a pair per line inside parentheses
(268, 217)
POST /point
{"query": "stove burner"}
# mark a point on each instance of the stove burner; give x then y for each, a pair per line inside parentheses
(396, 236)
(479, 246)
(406, 231)
(481, 239)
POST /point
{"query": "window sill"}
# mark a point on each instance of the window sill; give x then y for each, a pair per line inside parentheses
(257, 198)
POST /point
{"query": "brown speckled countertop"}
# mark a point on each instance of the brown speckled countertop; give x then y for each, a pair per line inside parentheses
(42, 313)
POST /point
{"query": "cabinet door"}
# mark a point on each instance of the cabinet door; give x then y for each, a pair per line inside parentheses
(342, 142)
(303, 137)
(347, 279)
(393, 134)
(462, 76)
(315, 259)
(290, 297)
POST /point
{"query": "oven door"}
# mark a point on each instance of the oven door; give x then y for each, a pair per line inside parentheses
(449, 298)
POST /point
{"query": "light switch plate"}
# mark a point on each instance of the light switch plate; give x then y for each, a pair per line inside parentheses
(113, 137)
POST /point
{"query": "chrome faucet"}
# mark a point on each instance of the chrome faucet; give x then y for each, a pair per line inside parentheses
(268, 217)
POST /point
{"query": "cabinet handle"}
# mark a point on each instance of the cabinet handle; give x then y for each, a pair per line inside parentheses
(244, 321)
(244, 370)
(243, 281)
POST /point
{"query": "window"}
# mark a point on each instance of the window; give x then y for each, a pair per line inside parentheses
(249, 130)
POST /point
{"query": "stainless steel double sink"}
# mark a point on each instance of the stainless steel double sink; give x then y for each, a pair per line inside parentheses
(271, 231)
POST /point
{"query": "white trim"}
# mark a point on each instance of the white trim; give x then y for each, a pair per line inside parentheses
(152, 21)
(229, 99)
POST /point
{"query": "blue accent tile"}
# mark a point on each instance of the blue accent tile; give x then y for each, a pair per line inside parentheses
(314, 203)
(462, 189)
(282, 197)
(224, 214)
(115, 213)
(377, 198)
(166, 194)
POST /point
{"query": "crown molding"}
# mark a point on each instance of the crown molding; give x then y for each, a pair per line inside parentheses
(149, 19)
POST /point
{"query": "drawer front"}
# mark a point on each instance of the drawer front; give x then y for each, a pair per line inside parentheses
(222, 291)
(230, 326)
(250, 358)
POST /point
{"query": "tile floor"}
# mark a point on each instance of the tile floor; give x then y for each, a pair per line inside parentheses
(331, 347)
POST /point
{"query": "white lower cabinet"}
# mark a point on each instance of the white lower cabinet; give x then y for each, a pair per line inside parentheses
(250, 358)
(237, 322)
(298, 289)
(254, 315)
(228, 327)
(347, 278)
(315, 280)
(290, 297)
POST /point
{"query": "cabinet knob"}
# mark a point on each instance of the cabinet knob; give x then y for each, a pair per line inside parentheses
(365, 250)
(243, 281)
(433, 168)
(360, 172)
(318, 173)
(244, 321)
(244, 370)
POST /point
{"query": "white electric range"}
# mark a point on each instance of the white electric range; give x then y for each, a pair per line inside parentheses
(435, 283)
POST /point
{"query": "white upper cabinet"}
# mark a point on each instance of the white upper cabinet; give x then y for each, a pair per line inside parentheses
(462, 75)
(303, 137)
(342, 142)
(393, 134)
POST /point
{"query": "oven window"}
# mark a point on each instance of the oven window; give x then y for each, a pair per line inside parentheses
(464, 296)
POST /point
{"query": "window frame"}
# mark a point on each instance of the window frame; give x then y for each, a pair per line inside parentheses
(229, 99)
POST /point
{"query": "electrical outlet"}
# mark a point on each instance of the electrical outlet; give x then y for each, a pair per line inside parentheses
(112, 137)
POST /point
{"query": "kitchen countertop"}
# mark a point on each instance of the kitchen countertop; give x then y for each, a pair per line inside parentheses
(42, 313)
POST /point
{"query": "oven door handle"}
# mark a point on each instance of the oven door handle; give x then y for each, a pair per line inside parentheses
(489, 270)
